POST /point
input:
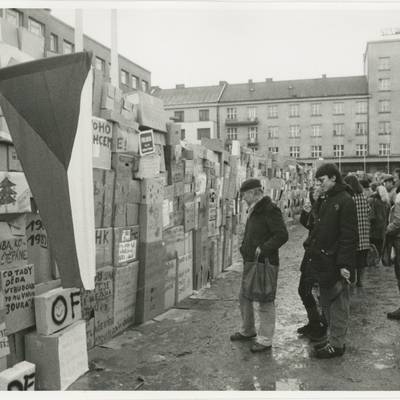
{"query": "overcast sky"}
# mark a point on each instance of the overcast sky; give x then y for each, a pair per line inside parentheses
(202, 43)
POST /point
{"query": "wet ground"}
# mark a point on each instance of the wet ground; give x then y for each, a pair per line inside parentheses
(188, 348)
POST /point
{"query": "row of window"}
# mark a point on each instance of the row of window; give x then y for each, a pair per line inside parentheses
(294, 110)
(338, 109)
(204, 115)
(338, 150)
(361, 128)
(37, 28)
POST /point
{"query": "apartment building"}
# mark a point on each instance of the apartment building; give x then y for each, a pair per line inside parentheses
(353, 121)
(57, 37)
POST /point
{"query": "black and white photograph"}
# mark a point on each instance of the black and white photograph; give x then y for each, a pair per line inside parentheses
(200, 198)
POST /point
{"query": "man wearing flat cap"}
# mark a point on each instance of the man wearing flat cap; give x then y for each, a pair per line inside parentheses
(265, 233)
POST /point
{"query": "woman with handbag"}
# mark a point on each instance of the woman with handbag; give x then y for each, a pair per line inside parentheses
(265, 233)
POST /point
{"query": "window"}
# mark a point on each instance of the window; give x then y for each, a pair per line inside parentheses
(338, 150)
(384, 106)
(145, 86)
(231, 113)
(100, 64)
(384, 84)
(273, 150)
(53, 43)
(294, 151)
(273, 132)
(13, 16)
(384, 63)
(179, 116)
(68, 47)
(204, 115)
(338, 108)
(135, 82)
(35, 27)
(338, 129)
(231, 133)
(362, 107)
(253, 130)
(361, 150)
(273, 111)
(361, 128)
(183, 134)
(316, 151)
(203, 133)
(384, 149)
(294, 131)
(124, 77)
(316, 130)
(293, 110)
(384, 128)
(252, 113)
(316, 109)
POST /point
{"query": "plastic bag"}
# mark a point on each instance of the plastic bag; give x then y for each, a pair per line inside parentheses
(259, 281)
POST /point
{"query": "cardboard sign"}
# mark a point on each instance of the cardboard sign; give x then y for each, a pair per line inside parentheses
(184, 283)
(64, 360)
(151, 222)
(4, 346)
(103, 310)
(15, 195)
(146, 142)
(126, 240)
(38, 248)
(125, 290)
(18, 286)
(20, 377)
(90, 333)
(13, 246)
(170, 284)
(13, 161)
(102, 142)
(104, 247)
(57, 309)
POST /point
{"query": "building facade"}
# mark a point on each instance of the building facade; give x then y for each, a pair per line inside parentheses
(353, 121)
(59, 39)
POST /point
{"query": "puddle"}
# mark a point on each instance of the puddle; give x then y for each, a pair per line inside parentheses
(175, 314)
(289, 385)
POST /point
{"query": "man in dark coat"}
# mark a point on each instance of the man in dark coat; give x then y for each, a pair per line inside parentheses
(265, 233)
(332, 254)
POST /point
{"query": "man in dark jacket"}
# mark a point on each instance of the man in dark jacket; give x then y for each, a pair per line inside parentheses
(265, 233)
(332, 253)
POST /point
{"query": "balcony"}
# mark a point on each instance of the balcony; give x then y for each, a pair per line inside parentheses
(241, 122)
(252, 142)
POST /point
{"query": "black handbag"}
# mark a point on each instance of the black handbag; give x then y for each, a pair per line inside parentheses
(259, 281)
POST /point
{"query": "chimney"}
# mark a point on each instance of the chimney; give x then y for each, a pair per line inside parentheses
(180, 86)
(222, 83)
(269, 80)
(323, 76)
(251, 85)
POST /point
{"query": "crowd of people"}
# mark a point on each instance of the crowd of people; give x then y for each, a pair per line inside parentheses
(350, 221)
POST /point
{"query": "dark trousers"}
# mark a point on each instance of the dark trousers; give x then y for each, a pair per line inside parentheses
(378, 243)
(306, 284)
(396, 245)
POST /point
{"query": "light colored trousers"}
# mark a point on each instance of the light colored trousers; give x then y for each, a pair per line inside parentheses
(266, 317)
(335, 302)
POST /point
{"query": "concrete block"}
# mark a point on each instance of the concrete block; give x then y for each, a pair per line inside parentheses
(60, 358)
(20, 377)
(57, 309)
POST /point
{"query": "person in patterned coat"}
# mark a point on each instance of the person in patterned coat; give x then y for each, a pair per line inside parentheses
(363, 224)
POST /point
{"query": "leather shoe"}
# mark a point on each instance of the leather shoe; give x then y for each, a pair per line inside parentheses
(258, 348)
(237, 336)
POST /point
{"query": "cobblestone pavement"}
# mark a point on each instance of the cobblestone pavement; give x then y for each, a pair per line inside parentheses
(188, 347)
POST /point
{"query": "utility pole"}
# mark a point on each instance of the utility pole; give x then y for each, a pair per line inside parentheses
(114, 50)
(78, 30)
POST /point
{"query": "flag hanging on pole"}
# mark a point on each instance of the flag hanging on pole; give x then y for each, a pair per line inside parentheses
(48, 108)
